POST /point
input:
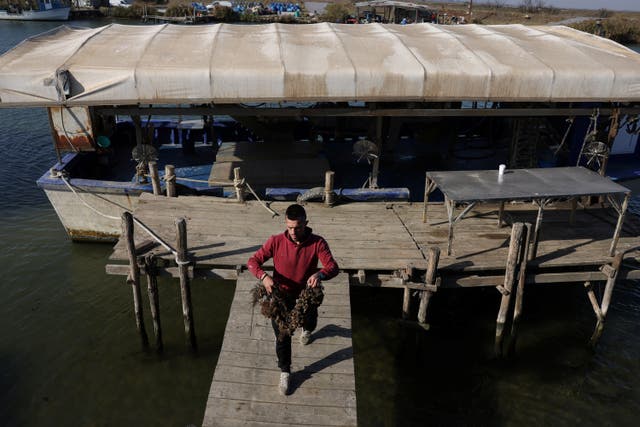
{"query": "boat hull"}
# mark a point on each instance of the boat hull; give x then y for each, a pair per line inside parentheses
(92, 211)
(57, 14)
(82, 223)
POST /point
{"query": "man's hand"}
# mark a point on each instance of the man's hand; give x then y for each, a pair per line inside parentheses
(314, 280)
(268, 283)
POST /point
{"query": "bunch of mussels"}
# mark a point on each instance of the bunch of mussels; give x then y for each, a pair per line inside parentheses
(273, 306)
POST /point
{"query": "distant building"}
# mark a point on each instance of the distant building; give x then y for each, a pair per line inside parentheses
(391, 11)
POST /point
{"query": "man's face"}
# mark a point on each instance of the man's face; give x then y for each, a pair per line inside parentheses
(295, 228)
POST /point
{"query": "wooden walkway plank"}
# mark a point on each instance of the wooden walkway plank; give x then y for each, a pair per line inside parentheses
(382, 236)
(244, 390)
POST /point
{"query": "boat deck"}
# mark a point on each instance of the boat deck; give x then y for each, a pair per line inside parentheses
(244, 389)
(384, 237)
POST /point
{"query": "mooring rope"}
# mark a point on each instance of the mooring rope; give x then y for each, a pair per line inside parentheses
(59, 174)
(239, 184)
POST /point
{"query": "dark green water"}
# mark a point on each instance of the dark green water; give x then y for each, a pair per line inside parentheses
(69, 354)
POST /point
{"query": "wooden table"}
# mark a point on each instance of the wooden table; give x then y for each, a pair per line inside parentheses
(539, 185)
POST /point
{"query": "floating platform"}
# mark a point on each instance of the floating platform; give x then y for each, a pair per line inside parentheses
(379, 237)
(245, 383)
(375, 244)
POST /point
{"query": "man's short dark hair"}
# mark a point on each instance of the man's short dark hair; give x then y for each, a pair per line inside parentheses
(296, 213)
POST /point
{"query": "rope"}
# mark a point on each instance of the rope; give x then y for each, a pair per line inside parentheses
(236, 183)
(566, 133)
(60, 174)
(264, 205)
(64, 179)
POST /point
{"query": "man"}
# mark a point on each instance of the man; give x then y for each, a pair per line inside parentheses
(295, 254)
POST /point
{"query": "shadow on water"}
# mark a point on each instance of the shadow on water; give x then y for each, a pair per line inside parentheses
(449, 376)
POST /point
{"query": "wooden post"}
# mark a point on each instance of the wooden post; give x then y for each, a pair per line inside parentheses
(509, 277)
(329, 195)
(154, 300)
(572, 214)
(522, 276)
(612, 272)
(406, 303)
(170, 180)
(451, 205)
(185, 286)
(594, 301)
(139, 142)
(500, 213)
(536, 229)
(375, 169)
(430, 279)
(134, 275)
(155, 178)
(237, 182)
(616, 233)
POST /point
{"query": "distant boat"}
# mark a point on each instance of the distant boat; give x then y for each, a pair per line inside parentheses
(49, 10)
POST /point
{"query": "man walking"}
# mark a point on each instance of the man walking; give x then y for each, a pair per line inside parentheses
(295, 254)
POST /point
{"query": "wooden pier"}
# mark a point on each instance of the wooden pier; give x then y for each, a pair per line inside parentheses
(379, 237)
(244, 389)
(376, 245)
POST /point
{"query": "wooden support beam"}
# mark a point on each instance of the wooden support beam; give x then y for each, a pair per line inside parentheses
(500, 213)
(185, 285)
(329, 195)
(606, 298)
(543, 111)
(406, 303)
(238, 184)
(572, 214)
(154, 300)
(522, 275)
(509, 278)
(170, 180)
(133, 277)
(430, 279)
(201, 273)
(155, 178)
(593, 300)
(621, 214)
(536, 230)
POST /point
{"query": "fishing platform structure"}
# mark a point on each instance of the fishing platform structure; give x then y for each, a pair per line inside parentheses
(381, 74)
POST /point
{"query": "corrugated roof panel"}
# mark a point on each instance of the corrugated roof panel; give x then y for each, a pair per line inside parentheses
(28, 71)
(452, 71)
(385, 68)
(246, 65)
(104, 68)
(315, 63)
(575, 74)
(225, 63)
(167, 54)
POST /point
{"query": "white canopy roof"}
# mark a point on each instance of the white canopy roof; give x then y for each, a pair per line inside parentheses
(225, 63)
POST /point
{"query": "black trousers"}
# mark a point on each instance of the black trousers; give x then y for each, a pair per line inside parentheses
(283, 348)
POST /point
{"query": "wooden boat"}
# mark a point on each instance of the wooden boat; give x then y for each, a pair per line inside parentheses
(466, 97)
(49, 10)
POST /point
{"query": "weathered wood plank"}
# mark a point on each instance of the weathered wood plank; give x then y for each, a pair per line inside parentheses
(371, 236)
(244, 388)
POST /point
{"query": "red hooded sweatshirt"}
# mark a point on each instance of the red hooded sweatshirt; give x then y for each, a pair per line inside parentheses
(294, 263)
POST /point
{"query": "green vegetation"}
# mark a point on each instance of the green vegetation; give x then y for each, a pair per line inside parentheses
(337, 12)
(623, 27)
(620, 29)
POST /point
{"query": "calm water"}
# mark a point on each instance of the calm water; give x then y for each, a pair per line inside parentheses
(69, 354)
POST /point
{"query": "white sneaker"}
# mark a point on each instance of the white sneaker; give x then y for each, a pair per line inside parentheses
(305, 337)
(284, 383)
